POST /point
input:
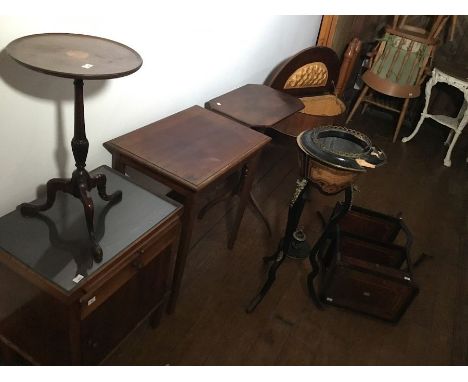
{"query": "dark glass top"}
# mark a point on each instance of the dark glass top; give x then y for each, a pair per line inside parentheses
(55, 244)
(75, 55)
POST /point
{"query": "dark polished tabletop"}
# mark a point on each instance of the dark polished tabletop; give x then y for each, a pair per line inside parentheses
(55, 244)
(257, 106)
(75, 56)
(192, 147)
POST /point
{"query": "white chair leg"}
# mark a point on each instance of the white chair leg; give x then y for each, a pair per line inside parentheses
(432, 81)
(447, 161)
(449, 138)
(464, 122)
(416, 129)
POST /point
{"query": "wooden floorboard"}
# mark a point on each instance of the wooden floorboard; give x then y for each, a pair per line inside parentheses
(210, 326)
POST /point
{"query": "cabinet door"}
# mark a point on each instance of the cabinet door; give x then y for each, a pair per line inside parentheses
(32, 323)
(111, 322)
(154, 282)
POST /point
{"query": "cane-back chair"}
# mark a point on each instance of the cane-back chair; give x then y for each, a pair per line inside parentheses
(398, 67)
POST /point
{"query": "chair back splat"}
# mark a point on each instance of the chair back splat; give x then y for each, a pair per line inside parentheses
(315, 76)
(313, 71)
(398, 66)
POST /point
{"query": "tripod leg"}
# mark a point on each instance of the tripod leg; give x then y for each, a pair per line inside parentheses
(88, 206)
(295, 211)
(53, 186)
(99, 181)
(273, 257)
(266, 287)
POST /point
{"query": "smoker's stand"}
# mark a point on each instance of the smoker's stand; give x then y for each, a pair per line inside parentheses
(296, 206)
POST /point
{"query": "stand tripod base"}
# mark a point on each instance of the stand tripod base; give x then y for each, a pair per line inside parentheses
(294, 239)
(80, 185)
(299, 248)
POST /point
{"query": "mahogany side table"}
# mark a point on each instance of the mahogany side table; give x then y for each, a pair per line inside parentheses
(79, 57)
(189, 151)
(259, 107)
(57, 305)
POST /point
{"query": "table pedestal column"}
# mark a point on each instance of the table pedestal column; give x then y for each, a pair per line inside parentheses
(81, 183)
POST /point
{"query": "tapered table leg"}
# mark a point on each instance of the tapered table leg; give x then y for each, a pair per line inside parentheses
(246, 175)
(188, 219)
(247, 178)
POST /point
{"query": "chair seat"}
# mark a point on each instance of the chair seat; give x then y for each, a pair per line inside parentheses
(390, 88)
(323, 105)
(318, 111)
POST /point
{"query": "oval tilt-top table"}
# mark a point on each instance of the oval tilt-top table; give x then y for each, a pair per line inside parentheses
(79, 57)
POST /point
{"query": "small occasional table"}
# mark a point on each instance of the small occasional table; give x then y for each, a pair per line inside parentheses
(57, 305)
(259, 107)
(79, 57)
(188, 152)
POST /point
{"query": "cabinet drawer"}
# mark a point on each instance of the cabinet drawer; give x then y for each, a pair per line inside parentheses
(98, 292)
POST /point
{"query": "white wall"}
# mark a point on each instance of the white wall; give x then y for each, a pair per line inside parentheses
(186, 61)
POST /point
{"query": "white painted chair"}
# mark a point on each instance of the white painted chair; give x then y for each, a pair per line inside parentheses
(455, 124)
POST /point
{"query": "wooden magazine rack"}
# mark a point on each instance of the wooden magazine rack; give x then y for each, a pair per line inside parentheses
(363, 269)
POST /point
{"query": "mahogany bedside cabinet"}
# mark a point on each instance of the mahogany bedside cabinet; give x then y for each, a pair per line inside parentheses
(57, 305)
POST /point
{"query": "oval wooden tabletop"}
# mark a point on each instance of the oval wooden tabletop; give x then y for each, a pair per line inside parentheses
(75, 56)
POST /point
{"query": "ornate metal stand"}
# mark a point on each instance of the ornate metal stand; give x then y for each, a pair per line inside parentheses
(81, 183)
(296, 207)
